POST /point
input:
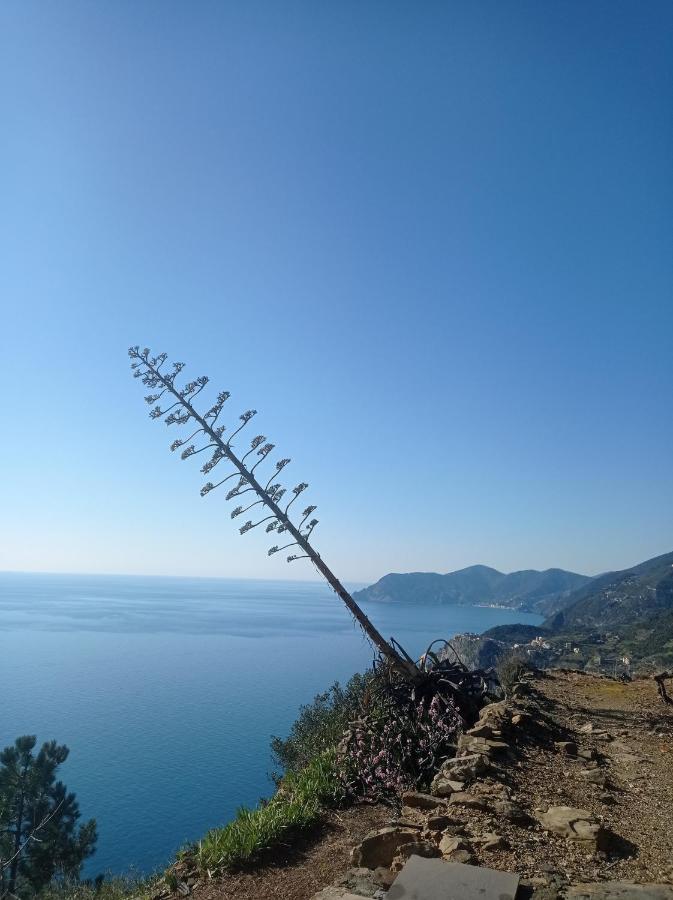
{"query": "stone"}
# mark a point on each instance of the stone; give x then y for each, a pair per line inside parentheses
(335, 893)
(426, 849)
(415, 819)
(497, 711)
(587, 753)
(380, 847)
(482, 745)
(619, 890)
(458, 770)
(454, 785)
(607, 798)
(567, 747)
(494, 790)
(574, 824)
(417, 800)
(512, 812)
(436, 879)
(469, 801)
(483, 729)
(492, 841)
(365, 882)
(384, 877)
(450, 843)
(468, 761)
(594, 776)
(461, 856)
(441, 823)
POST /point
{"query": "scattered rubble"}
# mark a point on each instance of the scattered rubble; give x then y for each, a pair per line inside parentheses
(576, 804)
(488, 785)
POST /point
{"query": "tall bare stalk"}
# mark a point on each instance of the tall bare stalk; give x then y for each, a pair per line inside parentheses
(181, 411)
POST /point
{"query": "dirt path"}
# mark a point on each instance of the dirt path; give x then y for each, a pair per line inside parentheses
(305, 866)
(631, 732)
(619, 768)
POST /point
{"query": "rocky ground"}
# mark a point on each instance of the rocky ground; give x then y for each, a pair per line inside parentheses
(568, 781)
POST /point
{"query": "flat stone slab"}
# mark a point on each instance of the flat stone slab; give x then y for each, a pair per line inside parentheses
(435, 879)
(619, 890)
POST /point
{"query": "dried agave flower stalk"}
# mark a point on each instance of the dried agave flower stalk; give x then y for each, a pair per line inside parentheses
(176, 406)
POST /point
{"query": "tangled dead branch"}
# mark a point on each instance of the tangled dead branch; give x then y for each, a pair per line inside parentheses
(661, 686)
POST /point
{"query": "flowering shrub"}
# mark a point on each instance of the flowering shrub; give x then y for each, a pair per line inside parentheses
(396, 748)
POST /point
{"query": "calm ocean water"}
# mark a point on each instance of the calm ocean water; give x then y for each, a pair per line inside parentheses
(167, 690)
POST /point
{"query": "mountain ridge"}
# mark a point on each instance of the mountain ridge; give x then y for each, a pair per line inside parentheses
(526, 589)
(618, 599)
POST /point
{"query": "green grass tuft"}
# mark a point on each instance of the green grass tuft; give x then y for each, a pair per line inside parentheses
(298, 803)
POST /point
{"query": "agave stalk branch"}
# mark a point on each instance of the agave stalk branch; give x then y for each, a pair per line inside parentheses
(401, 664)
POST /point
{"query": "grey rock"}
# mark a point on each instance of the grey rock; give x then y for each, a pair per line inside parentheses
(594, 776)
(331, 893)
(426, 849)
(567, 747)
(450, 843)
(461, 856)
(492, 841)
(485, 746)
(574, 824)
(417, 800)
(469, 801)
(460, 769)
(495, 712)
(364, 882)
(415, 819)
(484, 730)
(441, 823)
(380, 847)
(512, 812)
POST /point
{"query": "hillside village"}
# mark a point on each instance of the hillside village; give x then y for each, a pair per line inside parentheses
(617, 623)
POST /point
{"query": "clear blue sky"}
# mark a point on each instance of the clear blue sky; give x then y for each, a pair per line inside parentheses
(432, 243)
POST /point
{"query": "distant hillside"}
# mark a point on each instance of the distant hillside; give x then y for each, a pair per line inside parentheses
(527, 590)
(630, 597)
(511, 634)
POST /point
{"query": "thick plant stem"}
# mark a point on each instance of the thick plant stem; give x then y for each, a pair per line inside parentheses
(406, 668)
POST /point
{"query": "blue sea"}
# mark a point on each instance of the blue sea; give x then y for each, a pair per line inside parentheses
(167, 690)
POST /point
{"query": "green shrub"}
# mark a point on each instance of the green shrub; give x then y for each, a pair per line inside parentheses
(298, 803)
(321, 724)
(510, 668)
